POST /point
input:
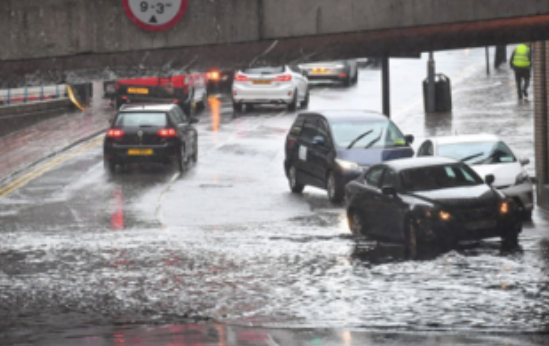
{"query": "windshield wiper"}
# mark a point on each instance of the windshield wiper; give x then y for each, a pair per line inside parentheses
(374, 141)
(471, 157)
(359, 138)
(491, 156)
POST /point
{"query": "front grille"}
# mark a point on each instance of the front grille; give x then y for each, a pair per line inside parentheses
(477, 214)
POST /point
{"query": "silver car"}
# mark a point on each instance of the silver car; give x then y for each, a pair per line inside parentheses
(270, 85)
(344, 71)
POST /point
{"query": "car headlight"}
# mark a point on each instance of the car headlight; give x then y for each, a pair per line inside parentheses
(348, 165)
(438, 214)
(523, 177)
(504, 208)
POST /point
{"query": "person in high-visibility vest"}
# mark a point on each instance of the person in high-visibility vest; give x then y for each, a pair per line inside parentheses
(521, 63)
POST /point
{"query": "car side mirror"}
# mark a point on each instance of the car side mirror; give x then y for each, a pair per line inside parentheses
(195, 120)
(388, 191)
(409, 139)
(524, 161)
(489, 179)
(319, 140)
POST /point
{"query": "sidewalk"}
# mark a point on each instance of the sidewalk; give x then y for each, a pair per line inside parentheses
(32, 144)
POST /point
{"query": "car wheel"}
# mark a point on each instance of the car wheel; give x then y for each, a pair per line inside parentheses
(411, 239)
(356, 224)
(511, 238)
(335, 189)
(348, 81)
(110, 166)
(237, 107)
(292, 107)
(355, 78)
(179, 162)
(305, 102)
(527, 215)
(195, 152)
(295, 186)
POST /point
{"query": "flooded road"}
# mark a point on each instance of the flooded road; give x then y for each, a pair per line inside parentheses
(84, 253)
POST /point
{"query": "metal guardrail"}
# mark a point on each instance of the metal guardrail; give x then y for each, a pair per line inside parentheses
(15, 96)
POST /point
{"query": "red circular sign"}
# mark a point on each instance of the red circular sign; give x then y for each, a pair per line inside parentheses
(155, 15)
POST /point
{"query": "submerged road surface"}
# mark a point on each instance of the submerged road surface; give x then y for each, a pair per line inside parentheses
(87, 257)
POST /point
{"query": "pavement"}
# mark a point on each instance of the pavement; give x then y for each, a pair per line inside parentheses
(49, 137)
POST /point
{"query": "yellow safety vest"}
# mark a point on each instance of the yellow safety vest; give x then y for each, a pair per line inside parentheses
(522, 56)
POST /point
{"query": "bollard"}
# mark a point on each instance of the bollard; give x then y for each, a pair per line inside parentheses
(42, 93)
(9, 96)
(25, 95)
(56, 91)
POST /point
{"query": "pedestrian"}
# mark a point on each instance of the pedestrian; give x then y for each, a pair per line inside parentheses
(521, 63)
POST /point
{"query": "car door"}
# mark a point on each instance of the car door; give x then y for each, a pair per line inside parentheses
(304, 163)
(321, 154)
(300, 81)
(390, 207)
(370, 200)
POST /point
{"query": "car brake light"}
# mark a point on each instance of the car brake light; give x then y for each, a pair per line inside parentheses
(284, 78)
(114, 133)
(343, 75)
(167, 133)
(241, 78)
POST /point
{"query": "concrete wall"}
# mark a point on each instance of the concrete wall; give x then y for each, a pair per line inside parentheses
(14, 118)
(52, 28)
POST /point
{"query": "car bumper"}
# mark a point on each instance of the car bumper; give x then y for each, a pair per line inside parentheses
(160, 153)
(523, 193)
(276, 95)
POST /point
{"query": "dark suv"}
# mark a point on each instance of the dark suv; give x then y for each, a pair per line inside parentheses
(331, 148)
(151, 133)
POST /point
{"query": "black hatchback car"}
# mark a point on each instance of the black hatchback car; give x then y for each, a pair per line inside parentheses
(427, 201)
(156, 133)
(328, 149)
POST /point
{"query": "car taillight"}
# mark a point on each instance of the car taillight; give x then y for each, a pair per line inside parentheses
(284, 78)
(241, 78)
(114, 133)
(167, 133)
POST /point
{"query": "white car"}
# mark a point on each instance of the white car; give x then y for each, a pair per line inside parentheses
(344, 71)
(487, 154)
(270, 85)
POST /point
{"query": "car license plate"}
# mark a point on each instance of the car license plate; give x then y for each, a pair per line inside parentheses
(484, 224)
(140, 152)
(140, 91)
(262, 82)
(320, 70)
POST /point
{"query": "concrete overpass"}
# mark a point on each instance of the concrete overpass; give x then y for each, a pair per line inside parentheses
(73, 40)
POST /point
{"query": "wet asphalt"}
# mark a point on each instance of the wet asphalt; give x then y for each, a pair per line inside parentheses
(141, 256)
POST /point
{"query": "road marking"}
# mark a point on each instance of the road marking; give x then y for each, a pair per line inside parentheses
(41, 170)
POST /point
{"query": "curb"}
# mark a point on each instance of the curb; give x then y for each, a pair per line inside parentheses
(50, 155)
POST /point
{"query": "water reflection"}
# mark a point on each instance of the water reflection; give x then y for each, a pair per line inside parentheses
(117, 218)
(438, 124)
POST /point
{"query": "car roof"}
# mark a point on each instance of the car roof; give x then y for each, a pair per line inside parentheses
(148, 107)
(465, 139)
(418, 162)
(333, 115)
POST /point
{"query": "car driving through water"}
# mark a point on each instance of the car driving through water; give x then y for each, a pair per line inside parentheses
(429, 201)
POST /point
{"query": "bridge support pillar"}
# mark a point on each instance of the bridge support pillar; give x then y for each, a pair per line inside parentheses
(386, 86)
(541, 119)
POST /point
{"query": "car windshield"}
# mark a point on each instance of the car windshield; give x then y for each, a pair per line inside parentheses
(478, 153)
(367, 134)
(439, 177)
(141, 120)
(264, 70)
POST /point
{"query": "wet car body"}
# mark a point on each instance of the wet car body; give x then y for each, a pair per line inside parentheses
(316, 155)
(270, 85)
(452, 205)
(488, 154)
(151, 134)
(344, 71)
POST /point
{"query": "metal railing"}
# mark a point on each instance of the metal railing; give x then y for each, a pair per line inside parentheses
(14, 96)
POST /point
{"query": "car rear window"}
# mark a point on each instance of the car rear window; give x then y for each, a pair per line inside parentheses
(142, 120)
(264, 70)
(439, 177)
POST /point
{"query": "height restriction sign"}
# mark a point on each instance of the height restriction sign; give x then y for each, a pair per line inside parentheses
(155, 15)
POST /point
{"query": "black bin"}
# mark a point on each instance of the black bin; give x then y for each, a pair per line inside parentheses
(443, 93)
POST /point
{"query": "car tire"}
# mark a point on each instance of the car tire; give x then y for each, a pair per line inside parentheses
(511, 238)
(305, 102)
(356, 223)
(179, 162)
(355, 78)
(295, 186)
(292, 107)
(527, 215)
(237, 107)
(195, 152)
(348, 81)
(110, 166)
(335, 188)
